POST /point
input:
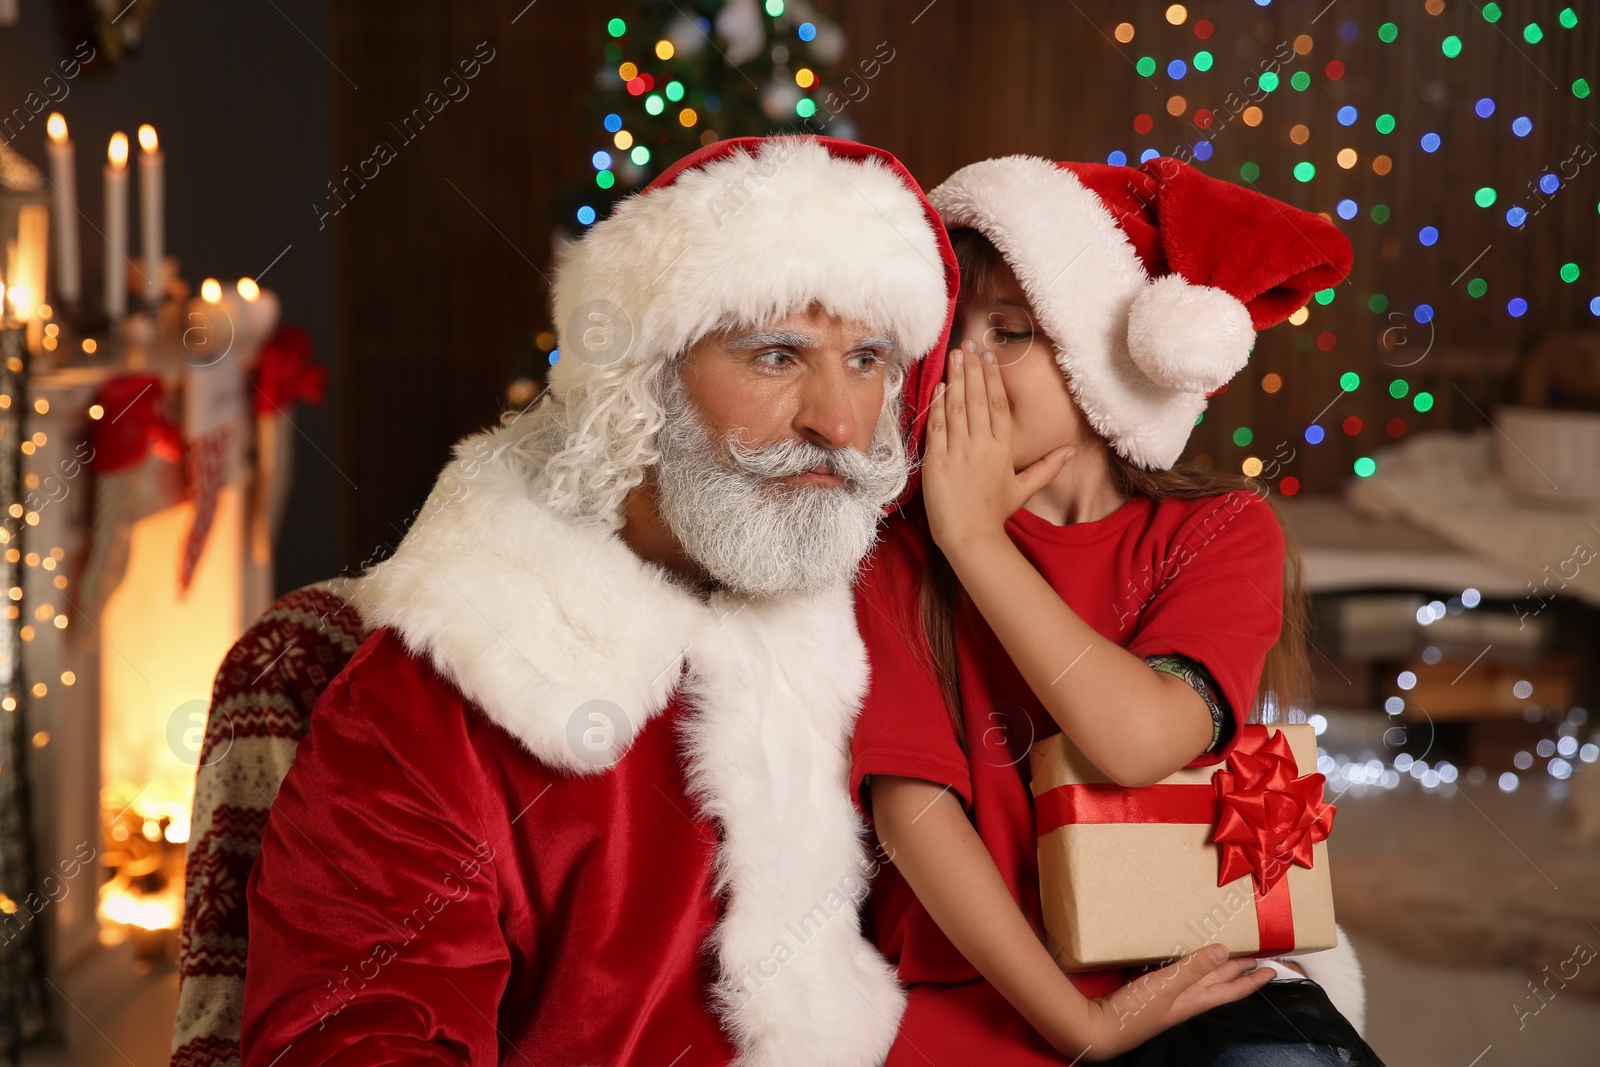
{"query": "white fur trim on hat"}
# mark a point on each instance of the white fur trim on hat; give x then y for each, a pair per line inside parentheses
(744, 240)
(1137, 387)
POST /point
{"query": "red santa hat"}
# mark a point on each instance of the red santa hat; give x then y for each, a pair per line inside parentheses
(1150, 280)
(750, 229)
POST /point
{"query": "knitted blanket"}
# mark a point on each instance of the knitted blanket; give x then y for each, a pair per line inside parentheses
(260, 709)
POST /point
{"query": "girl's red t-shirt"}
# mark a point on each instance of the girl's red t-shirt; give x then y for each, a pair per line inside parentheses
(1197, 578)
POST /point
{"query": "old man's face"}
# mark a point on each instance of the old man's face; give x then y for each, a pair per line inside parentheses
(779, 451)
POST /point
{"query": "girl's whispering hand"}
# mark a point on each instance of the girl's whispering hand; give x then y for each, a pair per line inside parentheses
(970, 485)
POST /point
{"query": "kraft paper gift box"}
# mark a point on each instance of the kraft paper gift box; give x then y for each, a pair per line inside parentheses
(1233, 854)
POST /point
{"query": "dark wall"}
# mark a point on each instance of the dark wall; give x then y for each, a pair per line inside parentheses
(241, 99)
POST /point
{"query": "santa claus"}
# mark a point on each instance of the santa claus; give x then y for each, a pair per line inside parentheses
(582, 798)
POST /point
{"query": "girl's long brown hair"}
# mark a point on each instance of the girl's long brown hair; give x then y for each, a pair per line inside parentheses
(1286, 677)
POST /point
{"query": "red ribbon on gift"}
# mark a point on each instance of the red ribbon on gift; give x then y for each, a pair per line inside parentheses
(1266, 815)
(286, 374)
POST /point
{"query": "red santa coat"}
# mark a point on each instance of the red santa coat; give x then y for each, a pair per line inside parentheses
(558, 810)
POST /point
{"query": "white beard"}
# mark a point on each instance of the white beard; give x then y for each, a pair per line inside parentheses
(759, 537)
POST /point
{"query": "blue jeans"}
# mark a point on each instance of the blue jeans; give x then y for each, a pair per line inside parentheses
(1277, 1054)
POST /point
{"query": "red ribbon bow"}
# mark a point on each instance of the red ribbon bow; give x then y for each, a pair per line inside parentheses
(288, 374)
(1267, 817)
(132, 424)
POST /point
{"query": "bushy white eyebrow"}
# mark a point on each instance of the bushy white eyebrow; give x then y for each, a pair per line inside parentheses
(773, 339)
(795, 339)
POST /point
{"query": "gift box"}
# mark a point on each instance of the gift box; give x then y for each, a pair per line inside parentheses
(1233, 854)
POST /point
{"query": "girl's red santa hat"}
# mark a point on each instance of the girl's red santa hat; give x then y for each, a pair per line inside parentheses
(750, 229)
(1151, 280)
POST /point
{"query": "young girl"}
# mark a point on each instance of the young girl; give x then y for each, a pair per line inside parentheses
(1056, 574)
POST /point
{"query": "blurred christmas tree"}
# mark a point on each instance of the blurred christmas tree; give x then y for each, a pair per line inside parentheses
(678, 74)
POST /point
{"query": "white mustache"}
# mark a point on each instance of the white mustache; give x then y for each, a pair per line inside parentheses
(876, 475)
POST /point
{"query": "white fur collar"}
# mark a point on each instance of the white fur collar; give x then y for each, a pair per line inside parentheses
(536, 618)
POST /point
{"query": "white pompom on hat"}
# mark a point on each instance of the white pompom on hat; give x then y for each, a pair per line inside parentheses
(1150, 280)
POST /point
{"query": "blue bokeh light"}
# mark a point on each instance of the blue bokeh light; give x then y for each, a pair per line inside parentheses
(1119, 158)
(1347, 208)
(1429, 236)
(1347, 115)
(1522, 125)
(1314, 434)
(1517, 307)
(1484, 107)
(1430, 142)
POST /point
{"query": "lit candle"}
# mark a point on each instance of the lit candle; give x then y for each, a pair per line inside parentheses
(260, 309)
(151, 199)
(116, 174)
(63, 176)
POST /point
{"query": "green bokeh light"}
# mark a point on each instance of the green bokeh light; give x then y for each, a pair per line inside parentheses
(1450, 46)
(1203, 60)
(1146, 66)
(1570, 272)
(1477, 287)
(1301, 81)
(1388, 32)
(1365, 467)
(1377, 303)
(616, 27)
(1532, 33)
(1268, 81)
(1384, 123)
(1304, 171)
(1349, 381)
(1380, 213)
(1485, 197)
(1242, 436)
(1325, 296)
(1249, 172)
(1423, 401)
(1399, 388)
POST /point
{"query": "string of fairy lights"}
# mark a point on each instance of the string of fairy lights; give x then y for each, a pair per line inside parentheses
(1197, 58)
(29, 497)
